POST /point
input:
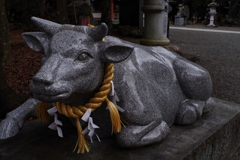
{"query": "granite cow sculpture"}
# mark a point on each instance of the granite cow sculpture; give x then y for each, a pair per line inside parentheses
(155, 86)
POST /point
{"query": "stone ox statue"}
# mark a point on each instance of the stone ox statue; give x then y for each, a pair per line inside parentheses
(155, 87)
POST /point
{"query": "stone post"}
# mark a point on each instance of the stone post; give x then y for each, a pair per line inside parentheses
(155, 24)
(140, 17)
(129, 12)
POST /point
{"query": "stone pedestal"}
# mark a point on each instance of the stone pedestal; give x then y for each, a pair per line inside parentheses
(179, 21)
(211, 24)
(212, 13)
(215, 136)
(155, 24)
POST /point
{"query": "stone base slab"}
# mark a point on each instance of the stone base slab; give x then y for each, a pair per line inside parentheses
(179, 21)
(215, 136)
(153, 42)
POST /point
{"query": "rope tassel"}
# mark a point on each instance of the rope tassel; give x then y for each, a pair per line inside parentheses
(115, 117)
(81, 145)
(42, 113)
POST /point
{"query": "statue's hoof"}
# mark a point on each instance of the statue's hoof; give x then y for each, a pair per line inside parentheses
(8, 128)
(210, 103)
(186, 115)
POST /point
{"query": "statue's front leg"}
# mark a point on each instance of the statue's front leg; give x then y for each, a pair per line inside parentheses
(16, 118)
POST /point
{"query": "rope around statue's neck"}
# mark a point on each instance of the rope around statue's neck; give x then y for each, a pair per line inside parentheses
(94, 103)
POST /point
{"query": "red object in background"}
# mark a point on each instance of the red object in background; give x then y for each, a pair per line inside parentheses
(84, 20)
(111, 9)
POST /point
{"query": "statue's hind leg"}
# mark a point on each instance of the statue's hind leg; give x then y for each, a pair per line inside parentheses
(190, 110)
(196, 84)
(136, 135)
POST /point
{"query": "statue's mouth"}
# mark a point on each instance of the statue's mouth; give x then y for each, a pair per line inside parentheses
(51, 97)
(50, 94)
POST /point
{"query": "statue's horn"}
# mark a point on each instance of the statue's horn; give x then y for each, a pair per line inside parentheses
(99, 32)
(96, 33)
(45, 25)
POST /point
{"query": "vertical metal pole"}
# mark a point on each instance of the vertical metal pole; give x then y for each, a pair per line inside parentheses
(140, 14)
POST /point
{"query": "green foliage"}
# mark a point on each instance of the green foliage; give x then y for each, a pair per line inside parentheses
(229, 22)
(197, 8)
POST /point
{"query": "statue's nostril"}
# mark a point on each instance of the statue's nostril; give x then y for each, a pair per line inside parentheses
(44, 81)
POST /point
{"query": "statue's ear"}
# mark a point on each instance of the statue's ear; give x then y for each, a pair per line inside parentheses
(37, 41)
(115, 52)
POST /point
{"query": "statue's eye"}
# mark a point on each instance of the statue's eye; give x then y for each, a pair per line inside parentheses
(83, 56)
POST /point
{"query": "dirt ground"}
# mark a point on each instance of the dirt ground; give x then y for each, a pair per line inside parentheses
(24, 65)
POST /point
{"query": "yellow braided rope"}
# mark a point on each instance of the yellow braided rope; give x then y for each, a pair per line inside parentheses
(99, 97)
(94, 103)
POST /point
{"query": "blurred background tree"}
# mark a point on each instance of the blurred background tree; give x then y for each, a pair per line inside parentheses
(8, 99)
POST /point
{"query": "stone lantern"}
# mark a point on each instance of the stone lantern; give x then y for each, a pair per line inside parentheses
(212, 13)
(179, 18)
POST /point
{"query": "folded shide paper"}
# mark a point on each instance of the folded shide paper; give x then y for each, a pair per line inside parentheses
(115, 98)
(91, 126)
(56, 123)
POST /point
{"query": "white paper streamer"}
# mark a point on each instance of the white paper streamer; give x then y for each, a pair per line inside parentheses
(112, 89)
(115, 98)
(52, 111)
(56, 123)
(86, 115)
(91, 126)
